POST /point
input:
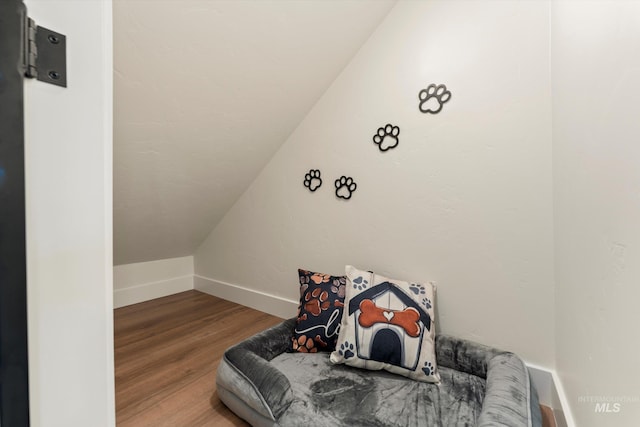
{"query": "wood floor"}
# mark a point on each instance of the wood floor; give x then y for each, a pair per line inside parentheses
(166, 355)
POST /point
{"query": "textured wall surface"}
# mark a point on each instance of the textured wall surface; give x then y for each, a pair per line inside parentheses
(597, 205)
(205, 93)
(465, 198)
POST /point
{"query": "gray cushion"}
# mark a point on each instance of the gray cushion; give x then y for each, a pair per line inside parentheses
(327, 394)
(268, 387)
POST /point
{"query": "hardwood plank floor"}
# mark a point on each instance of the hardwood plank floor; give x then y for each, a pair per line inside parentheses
(166, 354)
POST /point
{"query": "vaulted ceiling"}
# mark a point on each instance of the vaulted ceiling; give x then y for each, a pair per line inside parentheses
(205, 94)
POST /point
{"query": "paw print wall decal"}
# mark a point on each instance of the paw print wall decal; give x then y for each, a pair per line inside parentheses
(433, 98)
(345, 187)
(387, 137)
(312, 180)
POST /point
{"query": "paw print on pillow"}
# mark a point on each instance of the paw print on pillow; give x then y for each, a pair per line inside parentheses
(316, 301)
(417, 289)
(428, 368)
(360, 283)
(304, 344)
(346, 350)
(426, 302)
(318, 278)
(338, 286)
(303, 288)
(304, 278)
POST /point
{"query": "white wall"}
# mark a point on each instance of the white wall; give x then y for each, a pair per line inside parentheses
(200, 113)
(465, 200)
(69, 228)
(143, 281)
(596, 170)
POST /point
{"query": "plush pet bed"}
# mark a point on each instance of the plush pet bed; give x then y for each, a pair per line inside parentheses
(480, 386)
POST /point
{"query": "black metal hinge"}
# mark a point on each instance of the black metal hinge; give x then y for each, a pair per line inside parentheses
(44, 53)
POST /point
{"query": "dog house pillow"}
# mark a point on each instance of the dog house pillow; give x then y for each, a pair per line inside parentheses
(388, 324)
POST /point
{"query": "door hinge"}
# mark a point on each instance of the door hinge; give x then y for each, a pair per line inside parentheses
(44, 53)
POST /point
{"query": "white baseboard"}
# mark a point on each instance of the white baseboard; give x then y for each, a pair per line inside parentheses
(551, 394)
(542, 379)
(149, 291)
(144, 281)
(274, 305)
(561, 408)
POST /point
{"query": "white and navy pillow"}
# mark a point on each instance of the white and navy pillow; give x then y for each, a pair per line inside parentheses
(388, 324)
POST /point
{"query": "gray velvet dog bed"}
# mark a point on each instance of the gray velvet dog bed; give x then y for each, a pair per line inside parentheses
(480, 386)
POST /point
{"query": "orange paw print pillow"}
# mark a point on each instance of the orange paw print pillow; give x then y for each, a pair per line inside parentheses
(319, 312)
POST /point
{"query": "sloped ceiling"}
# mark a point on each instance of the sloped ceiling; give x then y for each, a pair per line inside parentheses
(205, 94)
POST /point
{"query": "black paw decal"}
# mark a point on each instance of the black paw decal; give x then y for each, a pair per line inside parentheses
(426, 302)
(345, 187)
(433, 98)
(312, 180)
(417, 289)
(428, 369)
(360, 283)
(346, 350)
(387, 137)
